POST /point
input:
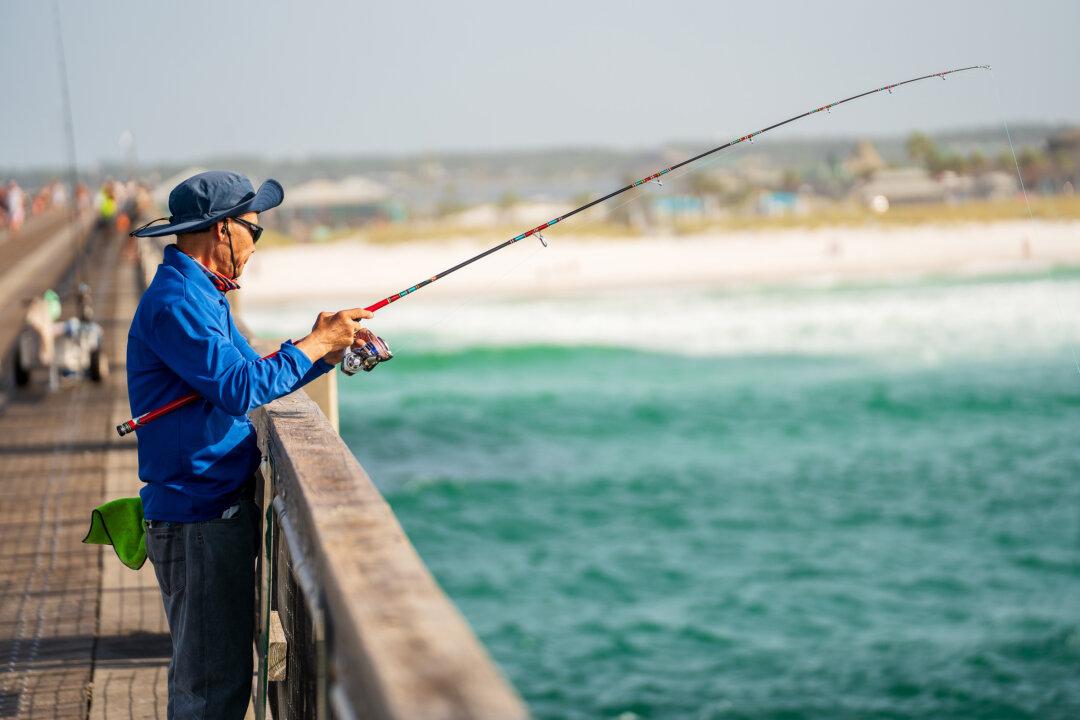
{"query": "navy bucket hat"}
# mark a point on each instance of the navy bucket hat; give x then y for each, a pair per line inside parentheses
(203, 199)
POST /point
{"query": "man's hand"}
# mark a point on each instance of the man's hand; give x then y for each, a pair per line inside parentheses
(332, 333)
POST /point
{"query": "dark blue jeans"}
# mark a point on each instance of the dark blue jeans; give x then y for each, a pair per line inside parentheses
(206, 571)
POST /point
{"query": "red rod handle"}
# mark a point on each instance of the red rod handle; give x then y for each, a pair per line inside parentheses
(135, 423)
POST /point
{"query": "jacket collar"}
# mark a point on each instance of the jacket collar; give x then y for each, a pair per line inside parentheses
(195, 271)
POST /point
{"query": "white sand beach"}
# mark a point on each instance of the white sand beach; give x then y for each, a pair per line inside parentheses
(819, 256)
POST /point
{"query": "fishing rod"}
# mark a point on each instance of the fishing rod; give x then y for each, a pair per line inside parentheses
(363, 358)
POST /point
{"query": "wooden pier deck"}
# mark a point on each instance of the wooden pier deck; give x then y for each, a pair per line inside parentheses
(80, 635)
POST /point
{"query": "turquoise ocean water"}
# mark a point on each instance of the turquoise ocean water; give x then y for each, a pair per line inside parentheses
(854, 501)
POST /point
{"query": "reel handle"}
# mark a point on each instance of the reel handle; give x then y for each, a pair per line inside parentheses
(364, 358)
(353, 362)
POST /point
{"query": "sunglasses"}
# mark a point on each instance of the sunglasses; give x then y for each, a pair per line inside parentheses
(256, 230)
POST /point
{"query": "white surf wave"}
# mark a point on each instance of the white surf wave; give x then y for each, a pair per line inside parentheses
(928, 322)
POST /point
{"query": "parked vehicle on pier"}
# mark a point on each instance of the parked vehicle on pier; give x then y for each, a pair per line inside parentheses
(67, 349)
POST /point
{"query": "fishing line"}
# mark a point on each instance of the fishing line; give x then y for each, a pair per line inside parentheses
(1031, 216)
(1062, 317)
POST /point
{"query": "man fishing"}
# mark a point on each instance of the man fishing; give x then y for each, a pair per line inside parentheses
(198, 463)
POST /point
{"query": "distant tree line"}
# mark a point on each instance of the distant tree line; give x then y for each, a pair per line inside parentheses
(1034, 162)
(923, 150)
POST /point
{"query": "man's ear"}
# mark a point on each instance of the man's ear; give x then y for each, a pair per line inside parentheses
(220, 231)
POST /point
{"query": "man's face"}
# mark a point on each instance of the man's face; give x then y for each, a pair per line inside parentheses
(243, 245)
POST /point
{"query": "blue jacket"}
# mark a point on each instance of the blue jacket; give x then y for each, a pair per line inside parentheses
(196, 460)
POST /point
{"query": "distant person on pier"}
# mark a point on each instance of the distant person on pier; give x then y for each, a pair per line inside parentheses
(105, 204)
(16, 206)
(82, 196)
(198, 462)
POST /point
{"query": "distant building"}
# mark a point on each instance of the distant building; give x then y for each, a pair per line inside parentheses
(1066, 142)
(994, 185)
(778, 203)
(525, 212)
(757, 171)
(900, 186)
(678, 207)
(864, 160)
(351, 202)
(1063, 149)
(911, 185)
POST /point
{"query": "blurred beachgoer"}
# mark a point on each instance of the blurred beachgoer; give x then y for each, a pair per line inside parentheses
(105, 204)
(16, 206)
(82, 197)
(136, 207)
(127, 202)
(59, 194)
(143, 202)
(42, 200)
(123, 223)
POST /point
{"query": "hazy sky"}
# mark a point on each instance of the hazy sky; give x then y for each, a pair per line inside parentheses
(278, 79)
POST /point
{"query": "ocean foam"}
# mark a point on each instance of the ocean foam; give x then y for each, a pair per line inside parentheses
(924, 320)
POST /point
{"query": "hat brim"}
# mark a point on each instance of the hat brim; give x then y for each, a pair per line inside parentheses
(269, 195)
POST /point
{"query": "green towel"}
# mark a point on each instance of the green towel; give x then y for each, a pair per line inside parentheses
(120, 523)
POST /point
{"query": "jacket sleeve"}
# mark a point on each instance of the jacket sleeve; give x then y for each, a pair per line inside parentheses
(319, 368)
(196, 348)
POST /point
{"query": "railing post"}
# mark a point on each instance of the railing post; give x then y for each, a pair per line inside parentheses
(324, 392)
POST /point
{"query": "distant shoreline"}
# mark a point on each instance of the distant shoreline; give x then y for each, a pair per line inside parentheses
(769, 257)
